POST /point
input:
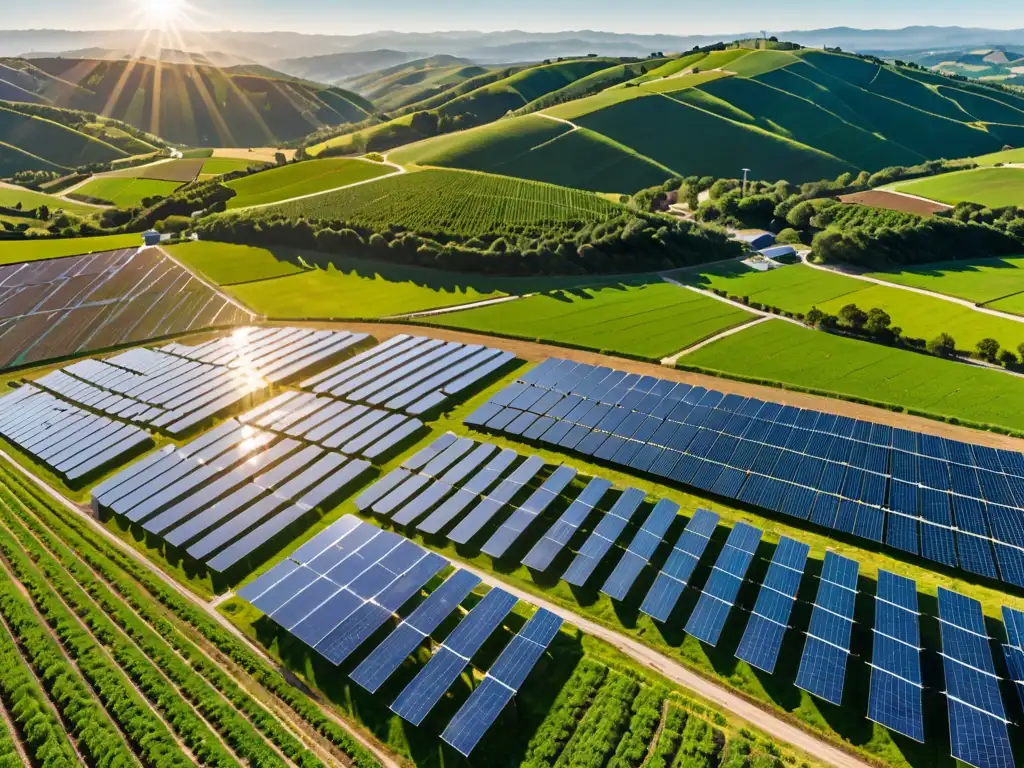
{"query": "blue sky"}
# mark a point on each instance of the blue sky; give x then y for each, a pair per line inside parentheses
(638, 16)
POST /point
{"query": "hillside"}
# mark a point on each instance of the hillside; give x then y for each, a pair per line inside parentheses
(194, 105)
(340, 68)
(415, 81)
(801, 116)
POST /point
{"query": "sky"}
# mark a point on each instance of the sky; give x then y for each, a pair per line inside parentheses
(633, 16)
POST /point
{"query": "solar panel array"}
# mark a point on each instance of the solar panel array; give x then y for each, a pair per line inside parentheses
(230, 491)
(176, 387)
(952, 502)
(343, 585)
(894, 699)
(766, 628)
(1013, 651)
(977, 718)
(723, 586)
(823, 663)
(73, 442)
(410, 374)
(672, 579)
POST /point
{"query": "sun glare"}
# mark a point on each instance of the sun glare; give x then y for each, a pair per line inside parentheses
(162, 13)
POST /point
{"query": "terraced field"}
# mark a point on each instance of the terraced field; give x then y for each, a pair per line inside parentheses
(646, 320)
(302, 179)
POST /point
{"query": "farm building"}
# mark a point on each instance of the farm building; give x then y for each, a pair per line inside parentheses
(779, 252)
(151, 237)
(758, 240)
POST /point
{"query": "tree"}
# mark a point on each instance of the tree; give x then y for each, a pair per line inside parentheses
(814, 317)
(878, 322)
(1020, 350)
(279, 158)
(425, 123)
(1007, 358)
(988, 349)
(942, 345)
(800, 215)
(853, 316)
(42, 213)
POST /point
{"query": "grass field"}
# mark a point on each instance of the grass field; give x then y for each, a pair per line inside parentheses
(1006, 156)
(992, 187)
(650, 320)
(785, 353)
(34, 250)
(217, 166)
(10, 197)
(180, 170)
(453, 201)
(798, 288)
(304, 178)
(981, 280)
(227, 264)
(126, 192)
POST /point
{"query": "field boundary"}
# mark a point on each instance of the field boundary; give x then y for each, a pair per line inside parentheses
(673, 359)
(399, 170)
(211, 285)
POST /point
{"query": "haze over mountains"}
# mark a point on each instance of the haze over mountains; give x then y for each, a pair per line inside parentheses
(492, 47)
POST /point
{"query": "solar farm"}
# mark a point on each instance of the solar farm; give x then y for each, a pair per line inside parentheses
(59, 307)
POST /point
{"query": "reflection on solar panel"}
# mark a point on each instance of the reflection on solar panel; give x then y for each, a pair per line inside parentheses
(603, 537)
(1013, 651)
(769, 620)
(823, 663)
(419, 696)
(952, 502)
(529, 510)
(563, 529)
(496, 500)
(640, 549)
(895, 696)
(719, 593)
(675, 575)
(410, 374)
(977, 719)
(503, 679)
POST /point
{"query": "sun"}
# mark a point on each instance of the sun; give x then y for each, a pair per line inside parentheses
(162, 13)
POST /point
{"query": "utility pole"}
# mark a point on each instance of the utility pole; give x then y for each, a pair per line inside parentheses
(745, 172)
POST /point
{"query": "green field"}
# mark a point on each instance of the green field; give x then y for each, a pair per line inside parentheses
(801, 357)
(11, 196)
(126, 192)
(180, 170)
(452, 201)
(304, 178)
(982, 281)
(650, 320)
(34, 250)
(1006, 156)
(798, 288)
(217, 166)
(227, 264)
(991, 187)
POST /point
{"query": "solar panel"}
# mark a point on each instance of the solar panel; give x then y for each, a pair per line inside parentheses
(769, 620)
(675, 574)
(719, 593)
(496, 500)
(503, 679)
(503, 538)
(563, 529)
(977, 738)
(823, 663)
(419, 696)
(603, 537)
(640, 549)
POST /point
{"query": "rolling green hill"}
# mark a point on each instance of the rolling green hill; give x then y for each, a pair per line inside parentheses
(399, 86)
(796, 115)
(189, 104)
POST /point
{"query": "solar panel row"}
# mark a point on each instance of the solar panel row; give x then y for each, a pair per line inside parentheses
(670, 582)
(70, 440)
(411, 374)
(823, 663)
(952, 502)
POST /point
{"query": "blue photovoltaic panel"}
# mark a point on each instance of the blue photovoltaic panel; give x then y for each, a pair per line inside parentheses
(563, 529)
(894, 699)
(768, 623)
(485, 617)
(823, 663)
(674, 576)
(521, 654)
(506, 535)
(476, 715)
(603, 537)
(496, 500)
(719, 594)
(977, 738)
(640, 549)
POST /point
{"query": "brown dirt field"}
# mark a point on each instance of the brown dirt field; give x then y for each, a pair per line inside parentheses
(257, 153)
(894, 202)
(534, 352)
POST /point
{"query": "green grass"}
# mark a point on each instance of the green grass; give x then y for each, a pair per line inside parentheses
(34, 250)
(126, 192)
(459, 202)
(304, 178)
(10, 197)
(682, 82)
(179, 170)
(798, 288)
(785, 353)
(650, 320)
(979, 280)
(227, 264)
(992, 187)
(1006, 156)
(216, 166)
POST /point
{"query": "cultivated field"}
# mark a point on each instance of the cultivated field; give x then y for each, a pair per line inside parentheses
(649, 320)
(266, 154)
(181, 171)
(217, 166)
(879, 198)
(452, 201)
(32, 250)
(303, 179)
(992, 187)
(983, 281)
(125, 192)
(227, 264)
(782, 352)
(10, 197)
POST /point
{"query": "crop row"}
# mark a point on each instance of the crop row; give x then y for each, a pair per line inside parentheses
(564, 717)
(600, 730)
(124, 574)
(453, 202)
(235, 731)
(633, 748)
